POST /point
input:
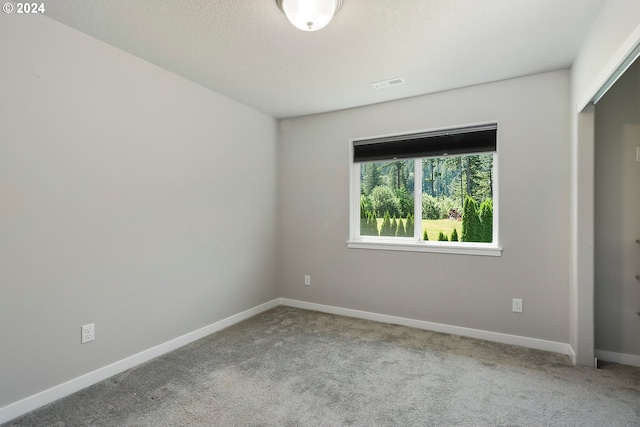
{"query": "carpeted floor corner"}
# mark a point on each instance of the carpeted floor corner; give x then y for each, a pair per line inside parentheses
(292, 367)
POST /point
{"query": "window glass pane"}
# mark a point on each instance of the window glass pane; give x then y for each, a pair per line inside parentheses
(387, 198)
(457, 198)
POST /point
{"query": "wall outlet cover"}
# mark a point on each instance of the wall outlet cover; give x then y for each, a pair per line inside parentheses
(88, 333)
(516, 305)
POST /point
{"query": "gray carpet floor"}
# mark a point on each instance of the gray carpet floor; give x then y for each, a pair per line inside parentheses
(291, 367)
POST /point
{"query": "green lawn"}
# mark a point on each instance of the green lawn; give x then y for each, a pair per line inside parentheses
(434, 226)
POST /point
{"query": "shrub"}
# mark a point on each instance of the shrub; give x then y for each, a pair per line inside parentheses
(445, 204)
(454, 235)
(425, 236)
(442, 237)
(383, 200)
(437, 207)
(402, 231)
(430, 208)
(405, 201)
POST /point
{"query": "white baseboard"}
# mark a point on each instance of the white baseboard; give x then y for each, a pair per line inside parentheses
(572, 355)
(621, 358)
(28, 404)
(538, 344)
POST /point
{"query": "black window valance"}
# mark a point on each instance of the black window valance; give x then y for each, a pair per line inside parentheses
(475, 139)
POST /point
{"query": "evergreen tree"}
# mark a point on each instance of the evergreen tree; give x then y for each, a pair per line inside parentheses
(372, 177)
(364, 218)
(401, 232)
(469, 176)
(365, 205)
(394, 226)
(408, 231)
(398, 173)
(472, 171)
(442, 237)
(369, 225)
(385, 229)
(485, 182)
(470, 221)
(374, 224)
(486, 221)
(454, 235)
(430, 175)
(455, 169)
(365, 226)
(425, 236)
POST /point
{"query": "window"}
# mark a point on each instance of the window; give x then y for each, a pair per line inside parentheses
(431, 192)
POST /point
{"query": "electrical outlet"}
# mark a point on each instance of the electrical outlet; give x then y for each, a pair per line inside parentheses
(307, 280)
(88, 333)
(516, 305)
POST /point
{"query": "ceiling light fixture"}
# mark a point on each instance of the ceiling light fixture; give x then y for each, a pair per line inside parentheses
(309, 15)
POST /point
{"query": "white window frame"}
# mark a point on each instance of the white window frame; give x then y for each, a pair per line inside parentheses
(415, 244)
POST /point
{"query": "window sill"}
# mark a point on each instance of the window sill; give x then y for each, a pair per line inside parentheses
(433, 247)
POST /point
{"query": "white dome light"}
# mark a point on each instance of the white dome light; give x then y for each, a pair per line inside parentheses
(309, 15)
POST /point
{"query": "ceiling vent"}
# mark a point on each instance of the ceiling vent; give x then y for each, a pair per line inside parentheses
(388, 83)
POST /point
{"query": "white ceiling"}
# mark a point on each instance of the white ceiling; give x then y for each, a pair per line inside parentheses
(248, 51)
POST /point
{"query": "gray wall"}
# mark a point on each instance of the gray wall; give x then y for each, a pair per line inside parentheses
(617, 216)
(470, 291)
(129, 197)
